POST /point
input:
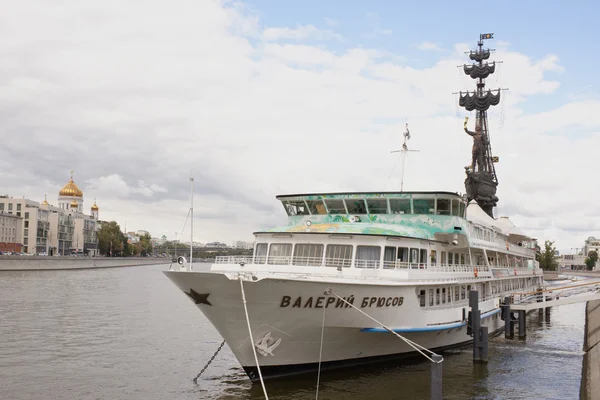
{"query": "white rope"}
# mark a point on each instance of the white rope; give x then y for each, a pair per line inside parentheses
(262, 382)
(320, 355)
(412, 344)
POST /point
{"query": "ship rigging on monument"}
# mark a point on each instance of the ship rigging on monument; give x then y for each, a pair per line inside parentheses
(481, 182)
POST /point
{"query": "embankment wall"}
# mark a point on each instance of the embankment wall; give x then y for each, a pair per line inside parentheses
(590, 379)
(33, 263)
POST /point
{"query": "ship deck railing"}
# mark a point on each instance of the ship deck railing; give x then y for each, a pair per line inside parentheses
(347, 263)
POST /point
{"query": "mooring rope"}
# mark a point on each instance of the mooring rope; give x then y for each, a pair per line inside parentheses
(320, 355)
(262, 382)
(412, 344)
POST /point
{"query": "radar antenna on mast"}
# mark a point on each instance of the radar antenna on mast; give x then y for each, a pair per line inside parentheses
(403, 152)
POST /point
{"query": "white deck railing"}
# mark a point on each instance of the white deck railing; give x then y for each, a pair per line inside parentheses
(356, 263)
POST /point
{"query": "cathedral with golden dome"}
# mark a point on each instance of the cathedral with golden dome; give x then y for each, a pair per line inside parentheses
(43, 228)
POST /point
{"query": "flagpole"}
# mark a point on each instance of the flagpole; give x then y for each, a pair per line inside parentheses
(192, 223)
(403, 152)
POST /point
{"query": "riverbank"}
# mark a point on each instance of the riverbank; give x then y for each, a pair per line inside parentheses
(33, 263)
(550, 276)
(590, 376)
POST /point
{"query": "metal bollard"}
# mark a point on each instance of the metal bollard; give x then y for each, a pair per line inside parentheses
(483, 343)
(522, 330)
(509, 331)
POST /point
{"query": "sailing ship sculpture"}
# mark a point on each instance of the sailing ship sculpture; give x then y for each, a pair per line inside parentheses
(481, 182)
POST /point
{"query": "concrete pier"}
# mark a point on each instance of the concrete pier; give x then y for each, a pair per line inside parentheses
(33, 263)
(590, 378)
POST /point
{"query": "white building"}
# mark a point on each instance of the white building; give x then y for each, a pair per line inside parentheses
(577, 261)
(591, 244)
(10, 232)
(238, 244)
(52, 230)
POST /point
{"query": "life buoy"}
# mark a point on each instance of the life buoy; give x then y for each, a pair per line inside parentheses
(475, 272)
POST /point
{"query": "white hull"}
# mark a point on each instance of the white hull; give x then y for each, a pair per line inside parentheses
(349, 337)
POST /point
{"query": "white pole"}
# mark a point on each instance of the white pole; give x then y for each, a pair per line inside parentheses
(402, 176)
(192, 223)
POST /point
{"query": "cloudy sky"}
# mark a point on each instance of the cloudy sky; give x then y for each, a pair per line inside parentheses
(261, 98)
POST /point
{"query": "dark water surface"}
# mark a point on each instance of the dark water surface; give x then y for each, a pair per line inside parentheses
(128, 333)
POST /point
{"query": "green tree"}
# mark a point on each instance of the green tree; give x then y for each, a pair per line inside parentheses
(127, 251)
(146, 245)
(110, 239)
(547, 257)
(591, 259)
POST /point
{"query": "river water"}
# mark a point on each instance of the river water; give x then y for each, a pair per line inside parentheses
(129, 333)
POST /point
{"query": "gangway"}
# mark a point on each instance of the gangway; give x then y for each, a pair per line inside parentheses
(560, 295)
(516, 306)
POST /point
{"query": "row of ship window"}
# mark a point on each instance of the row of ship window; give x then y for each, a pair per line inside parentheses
(448, 294)
(341, 255)
(436, 206)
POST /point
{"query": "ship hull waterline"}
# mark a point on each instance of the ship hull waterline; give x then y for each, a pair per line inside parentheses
(286, 317)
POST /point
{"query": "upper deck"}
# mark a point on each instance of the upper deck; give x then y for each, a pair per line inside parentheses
(419, 215)
(373, 204)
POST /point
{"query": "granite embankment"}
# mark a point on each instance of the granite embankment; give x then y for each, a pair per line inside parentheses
(590, 378)
(32, 263)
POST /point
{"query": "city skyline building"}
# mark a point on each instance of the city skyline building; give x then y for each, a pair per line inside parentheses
(42, 228)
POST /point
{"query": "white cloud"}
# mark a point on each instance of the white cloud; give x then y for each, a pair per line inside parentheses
(331, 22)
(299, 33)
(135, 105)
(429, 46)
(115, 186)
(373, 21)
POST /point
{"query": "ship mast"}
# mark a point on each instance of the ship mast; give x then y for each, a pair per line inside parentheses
(481, 182)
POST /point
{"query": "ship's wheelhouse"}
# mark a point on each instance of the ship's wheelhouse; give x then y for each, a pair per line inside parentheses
(374, 204)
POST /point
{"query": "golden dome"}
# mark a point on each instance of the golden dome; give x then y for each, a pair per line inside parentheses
(95, 207)
(45, 202)
(74, 204)
(71, 189)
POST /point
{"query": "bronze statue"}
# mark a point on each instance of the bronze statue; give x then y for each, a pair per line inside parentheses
(478, 146)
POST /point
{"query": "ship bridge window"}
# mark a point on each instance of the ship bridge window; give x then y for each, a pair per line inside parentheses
(308, 255)
(400, 206)
(316, 207)
(260, 255)
(295, 207)
(335, 206)
(338, 255)
(424, 206)
(377, 206)
(367, 256)
(461, 206)
(455, 207)
(356, 206)
(443, 206)
(280, 253)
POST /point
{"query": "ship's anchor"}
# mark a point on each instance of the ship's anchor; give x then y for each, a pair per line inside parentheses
(267, 344)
